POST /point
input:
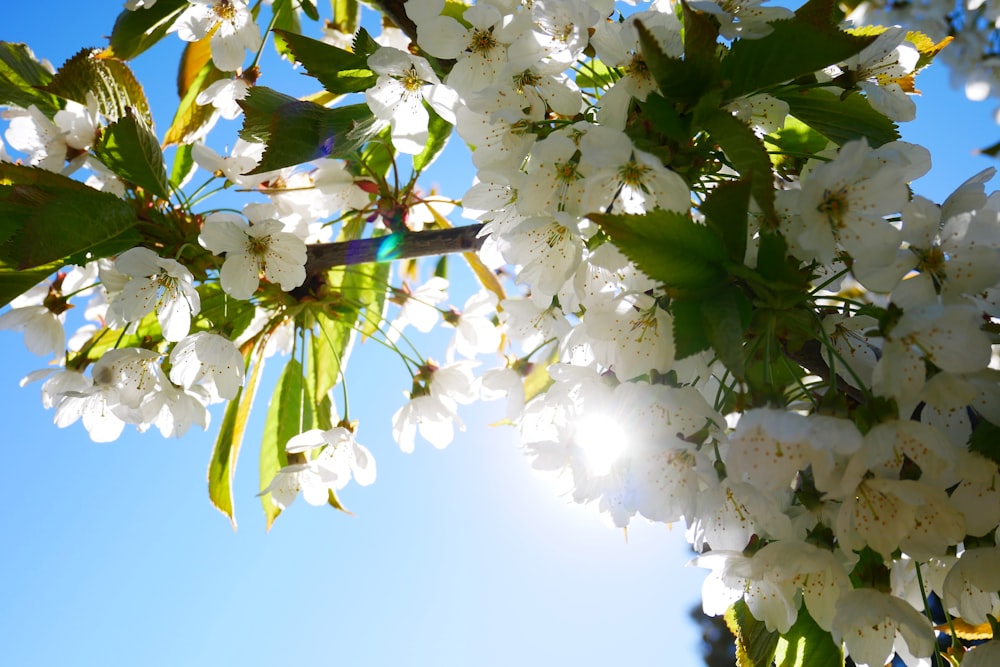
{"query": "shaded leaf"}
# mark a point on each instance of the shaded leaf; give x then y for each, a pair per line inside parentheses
(14, 282)
(134, 32)
(726, 211)
(690, 336)
(669, 247)
(110, 80)
(840, 120)
(297, 132)
(725, 316)
(129, 149)
(748, 155)
(338, 70)
(677, 79)
(46, 217)
(701, 43)
(22, 78)
(985, 440)
(364, 44)
(796, 47)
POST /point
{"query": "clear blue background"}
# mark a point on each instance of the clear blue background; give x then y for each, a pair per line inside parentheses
(111, 554)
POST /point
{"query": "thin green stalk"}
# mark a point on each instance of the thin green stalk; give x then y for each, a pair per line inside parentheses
(927, 611)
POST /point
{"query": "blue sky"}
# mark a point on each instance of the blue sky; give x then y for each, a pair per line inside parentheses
(112, 555)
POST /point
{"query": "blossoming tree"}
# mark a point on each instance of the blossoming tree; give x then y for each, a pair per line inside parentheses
(707, 291)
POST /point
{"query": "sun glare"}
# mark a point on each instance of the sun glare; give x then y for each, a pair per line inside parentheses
(602, 440)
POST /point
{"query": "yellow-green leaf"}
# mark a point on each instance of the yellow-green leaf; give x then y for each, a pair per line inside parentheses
(222, 466)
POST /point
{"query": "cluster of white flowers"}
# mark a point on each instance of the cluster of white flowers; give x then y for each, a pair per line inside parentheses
(784, 499)
(972, 26)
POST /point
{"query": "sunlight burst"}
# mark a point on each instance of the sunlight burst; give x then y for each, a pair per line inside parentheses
(602, 440)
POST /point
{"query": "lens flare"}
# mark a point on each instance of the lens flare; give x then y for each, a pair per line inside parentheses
(601, 439)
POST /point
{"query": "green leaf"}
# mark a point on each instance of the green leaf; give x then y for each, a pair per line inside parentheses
(338, 70)
(755, 645)
(677, 79)
(46, 217)
(110, 80)
(796, 47)
(184, 165)
(309, 9)
(367, 286)
(438, 133)
(15, 282)
(725, 316)
(668, 246)
(286, 21)
(796, 143)
(226, 453)
(134, 32)
(289, 413)
(807, 645)
(985, 440)
(22, 78)
(147, 331)
(726, 211)
(297, 132)
(329, 344)
(129, 149)
(664, 118)
(595, 75)
(748, 155)
(701, 43)
(260, 105)
(776, 265)
(690, 336)
(840, 120)
(220, 313)
(364, 45)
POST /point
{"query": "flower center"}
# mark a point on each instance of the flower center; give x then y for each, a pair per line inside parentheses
(258, 246)
(225, 10)
(632, 173)
(526, 79)
(834, 206)
(482, 42)
(566, 172)
(637, 67)
(411, 80)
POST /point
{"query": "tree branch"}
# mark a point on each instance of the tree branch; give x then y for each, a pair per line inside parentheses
(402, 245)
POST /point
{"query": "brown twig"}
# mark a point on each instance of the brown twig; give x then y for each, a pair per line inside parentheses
(404, 245)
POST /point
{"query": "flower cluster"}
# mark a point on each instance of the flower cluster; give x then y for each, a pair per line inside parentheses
(726, 306)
